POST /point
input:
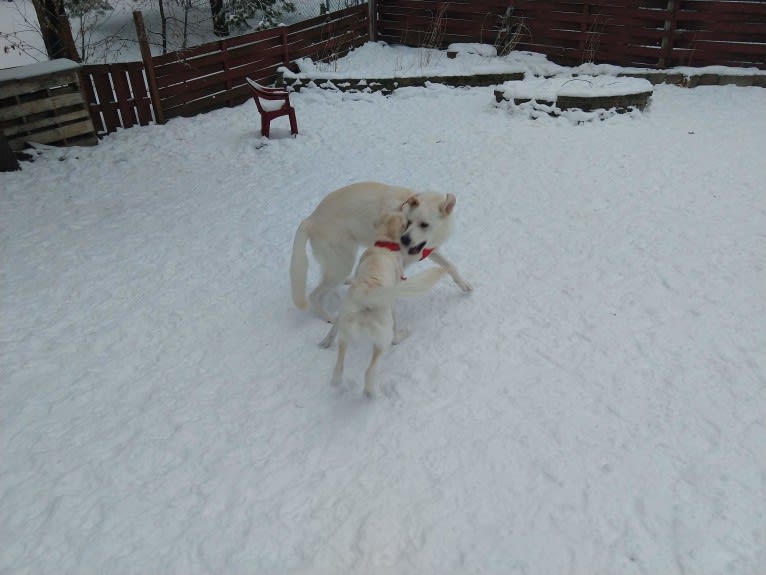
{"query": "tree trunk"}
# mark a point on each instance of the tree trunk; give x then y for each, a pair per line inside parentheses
(48, 13)
(164, 27)
(220, 25)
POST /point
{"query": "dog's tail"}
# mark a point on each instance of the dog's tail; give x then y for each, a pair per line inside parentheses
(416, 285)
(299, 265)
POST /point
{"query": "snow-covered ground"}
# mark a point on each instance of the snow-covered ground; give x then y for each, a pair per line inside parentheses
(597, 405)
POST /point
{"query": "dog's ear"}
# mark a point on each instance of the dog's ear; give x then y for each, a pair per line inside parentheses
(412, 202)
(448, 205)
(395, 225)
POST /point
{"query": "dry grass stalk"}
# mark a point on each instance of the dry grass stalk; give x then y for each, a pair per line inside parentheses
(593, 38)
(434, 36)
(510, 36)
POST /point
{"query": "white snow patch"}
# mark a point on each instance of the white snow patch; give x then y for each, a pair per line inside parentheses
(486, 50)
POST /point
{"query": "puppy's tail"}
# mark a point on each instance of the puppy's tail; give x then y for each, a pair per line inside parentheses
(413, 286)
(299, 265)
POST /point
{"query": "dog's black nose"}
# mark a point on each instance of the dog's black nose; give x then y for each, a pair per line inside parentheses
(405, 240)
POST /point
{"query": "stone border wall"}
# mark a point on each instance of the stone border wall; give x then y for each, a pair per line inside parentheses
(388, 85)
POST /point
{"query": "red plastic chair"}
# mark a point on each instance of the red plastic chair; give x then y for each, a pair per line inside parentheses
(272, 103)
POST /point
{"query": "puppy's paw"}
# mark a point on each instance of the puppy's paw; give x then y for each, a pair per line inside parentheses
(369, 393)
(335, 381)
(327, 341)
(400, 336)
(465, 286)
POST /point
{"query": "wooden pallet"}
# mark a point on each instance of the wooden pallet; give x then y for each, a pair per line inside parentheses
(43, 103)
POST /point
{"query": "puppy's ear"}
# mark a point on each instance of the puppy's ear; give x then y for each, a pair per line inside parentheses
(392, 227)
(380, 221)
(448, 205)
(395, 224)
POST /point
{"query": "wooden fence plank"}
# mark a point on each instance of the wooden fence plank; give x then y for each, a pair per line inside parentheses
(105, 95)
(141, 99)
(124, 97)
(92, 99)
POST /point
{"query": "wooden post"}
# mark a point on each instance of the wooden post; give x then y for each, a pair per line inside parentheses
(146, 56)
(285, 47)
(667, 36)
(226, 72)
(372, 16)
(8, 161)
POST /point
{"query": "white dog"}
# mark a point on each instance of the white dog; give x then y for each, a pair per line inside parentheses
(345, 219)
(368, 307)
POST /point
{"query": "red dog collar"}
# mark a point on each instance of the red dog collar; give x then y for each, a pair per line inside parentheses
(395, 247)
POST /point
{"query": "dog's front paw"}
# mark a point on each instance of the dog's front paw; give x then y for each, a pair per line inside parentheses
(465, 286)
(400, 335)
(326, 342)
(336, 380)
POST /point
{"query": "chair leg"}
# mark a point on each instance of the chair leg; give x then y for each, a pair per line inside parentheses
(293, 122)
(265, 126)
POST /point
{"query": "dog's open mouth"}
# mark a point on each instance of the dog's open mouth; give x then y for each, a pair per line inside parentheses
(415, 250)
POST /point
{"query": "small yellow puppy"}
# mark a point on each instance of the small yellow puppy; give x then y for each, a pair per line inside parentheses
(368, 307)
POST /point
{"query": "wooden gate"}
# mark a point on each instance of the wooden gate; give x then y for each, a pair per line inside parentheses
(117, 96)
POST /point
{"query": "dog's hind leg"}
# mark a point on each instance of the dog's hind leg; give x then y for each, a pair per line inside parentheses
(399, 334)
(337, 374)
(330, 337)
(369, 375)
(317, 298)
(337, 262)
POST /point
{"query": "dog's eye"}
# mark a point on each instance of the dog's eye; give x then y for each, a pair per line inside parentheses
(409, 223)
(423, 225)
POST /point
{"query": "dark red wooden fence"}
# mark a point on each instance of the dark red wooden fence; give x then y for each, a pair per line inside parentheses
(645, 33)
(117, 95)
(213, 75)
(719, 33)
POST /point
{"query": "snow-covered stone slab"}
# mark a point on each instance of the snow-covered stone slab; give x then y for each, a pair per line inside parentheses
(585, 93)
(551, 89)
